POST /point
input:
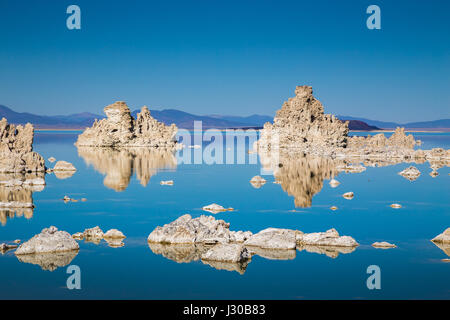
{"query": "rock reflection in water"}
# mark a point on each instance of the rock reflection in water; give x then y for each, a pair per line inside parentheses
(49, 261)
(444, 247)
(302, 176)
(16, 194)
(331, 252)
(185, 253)
(118, 165)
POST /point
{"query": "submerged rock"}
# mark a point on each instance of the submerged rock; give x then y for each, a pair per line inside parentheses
(48, 241)
(273, 238)
(384, 245)
(329, 238)
(411, 173)
(119, 129)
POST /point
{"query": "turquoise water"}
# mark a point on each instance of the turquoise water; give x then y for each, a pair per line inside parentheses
(414, 270)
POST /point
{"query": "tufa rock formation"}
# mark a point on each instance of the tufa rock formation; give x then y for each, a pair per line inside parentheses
(302, 125)
(16, 149)
(119, 129)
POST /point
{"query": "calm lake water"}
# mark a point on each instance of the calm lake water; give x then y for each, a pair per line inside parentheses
(123, 191)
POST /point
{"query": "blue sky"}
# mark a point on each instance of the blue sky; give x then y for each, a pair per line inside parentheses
(227, 57)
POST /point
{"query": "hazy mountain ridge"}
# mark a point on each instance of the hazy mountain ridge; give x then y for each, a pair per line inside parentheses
(186, 120)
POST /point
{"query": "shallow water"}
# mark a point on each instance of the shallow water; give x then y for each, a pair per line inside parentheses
(123, 191)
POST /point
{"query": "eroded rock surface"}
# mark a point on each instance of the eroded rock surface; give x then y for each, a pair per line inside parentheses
(227, 252)
(444, 237)
(50, 240)
(329, 238)
(119, 129)
(411, 173)
(273, 238)
(49, 261)
(16, 149)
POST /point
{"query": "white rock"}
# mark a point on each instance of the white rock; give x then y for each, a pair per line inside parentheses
(348, 195)
(204, 229)
(383, 244)
(51, 159)
(48, 241)
(329, 238)
(114, 234)
(167, 182)
(273, 238)
(334, 183)
(214, 208)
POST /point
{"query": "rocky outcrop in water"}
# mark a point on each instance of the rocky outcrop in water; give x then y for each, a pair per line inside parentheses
(444, 237)
(211, 241)
(302, 125)
(119, 129)
(16, 149)
(118, 165)
(50, 240)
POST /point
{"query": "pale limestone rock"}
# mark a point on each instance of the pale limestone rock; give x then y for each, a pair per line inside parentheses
(166, 182)
(50, 240)
(63, 166)
(119, 129)
(301, 124)
(329, 238)
(227, 252)
(273, 254)
(348, 195)
(444, 237)
(204, 229)
(334, 183)
(240, 236)
(411, 173)
(334, 208)
(16, 149)
(396, 206)
(214, 208)
(93, 233)
(114, 234)
(4, 247)
(78, 236)
(51, 159)
(273, 238)
(114, 242)
(257, 182)
(352, 168)
(383, 245)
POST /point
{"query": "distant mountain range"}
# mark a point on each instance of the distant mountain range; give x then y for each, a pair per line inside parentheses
(186, 120)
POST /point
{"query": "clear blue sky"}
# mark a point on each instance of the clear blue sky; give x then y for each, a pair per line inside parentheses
(227, 57)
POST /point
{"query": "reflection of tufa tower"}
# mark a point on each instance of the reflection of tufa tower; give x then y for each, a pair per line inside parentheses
(118, 165)
(302, 176)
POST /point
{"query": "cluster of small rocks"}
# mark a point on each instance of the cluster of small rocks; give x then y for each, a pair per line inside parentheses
(113, 237)
(239, 246)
